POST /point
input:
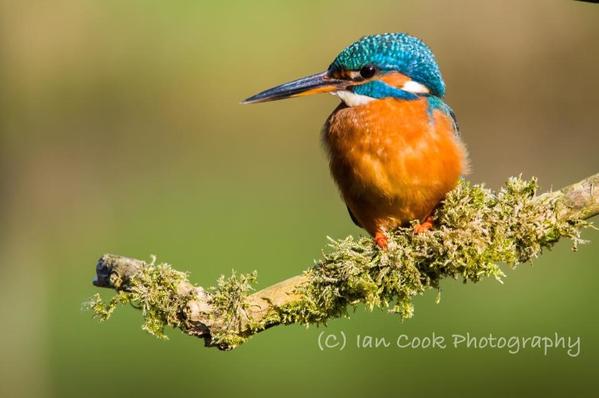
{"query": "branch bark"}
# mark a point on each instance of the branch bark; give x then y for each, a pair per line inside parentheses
(226, 316)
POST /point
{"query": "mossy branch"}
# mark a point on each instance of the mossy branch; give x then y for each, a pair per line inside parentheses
(476, 230)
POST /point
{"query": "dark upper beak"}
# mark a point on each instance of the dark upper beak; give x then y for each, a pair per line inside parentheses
(314, 84)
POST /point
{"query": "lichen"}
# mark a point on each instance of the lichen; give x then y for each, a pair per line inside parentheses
(229, 308)
(475, 231)
(155, 292)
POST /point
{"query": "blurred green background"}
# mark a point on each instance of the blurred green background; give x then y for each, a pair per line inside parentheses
(121, 131)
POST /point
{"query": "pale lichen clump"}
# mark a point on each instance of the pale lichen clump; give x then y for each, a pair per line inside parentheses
(475, 231)
(156, 291)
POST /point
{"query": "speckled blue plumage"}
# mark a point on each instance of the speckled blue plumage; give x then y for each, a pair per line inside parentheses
(393, 51)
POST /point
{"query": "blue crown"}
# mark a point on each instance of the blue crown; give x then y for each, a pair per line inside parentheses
(394, 52)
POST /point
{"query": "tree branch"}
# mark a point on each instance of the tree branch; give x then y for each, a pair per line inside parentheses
(476, 229)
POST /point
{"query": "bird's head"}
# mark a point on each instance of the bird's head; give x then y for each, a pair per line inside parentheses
(374, 67)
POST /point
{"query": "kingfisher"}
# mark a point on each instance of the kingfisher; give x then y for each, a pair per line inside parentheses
(393, 144)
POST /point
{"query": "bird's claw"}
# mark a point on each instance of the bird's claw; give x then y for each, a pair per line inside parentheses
(381, 240)
(425, 225)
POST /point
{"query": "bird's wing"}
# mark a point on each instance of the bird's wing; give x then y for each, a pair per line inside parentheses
(353, 218)
(456, 126)
(436, 103)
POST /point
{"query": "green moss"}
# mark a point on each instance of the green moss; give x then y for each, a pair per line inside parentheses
(475, 231)
(229, 308)
(154, 292)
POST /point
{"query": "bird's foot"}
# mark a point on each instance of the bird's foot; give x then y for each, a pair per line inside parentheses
(380, 239)
(425, 225)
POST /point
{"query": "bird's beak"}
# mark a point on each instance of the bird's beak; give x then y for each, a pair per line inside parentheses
(313, 84)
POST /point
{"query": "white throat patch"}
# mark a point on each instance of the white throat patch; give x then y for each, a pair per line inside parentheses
(352, 99)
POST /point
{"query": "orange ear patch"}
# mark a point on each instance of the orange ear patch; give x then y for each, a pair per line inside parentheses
(395, 79)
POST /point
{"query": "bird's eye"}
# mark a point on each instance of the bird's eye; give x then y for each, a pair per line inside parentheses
(368, 71)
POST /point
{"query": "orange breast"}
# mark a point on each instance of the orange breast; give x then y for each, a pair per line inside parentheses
(393, 160)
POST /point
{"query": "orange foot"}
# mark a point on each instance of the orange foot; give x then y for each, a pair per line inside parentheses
(424, 226)
(381, 240)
